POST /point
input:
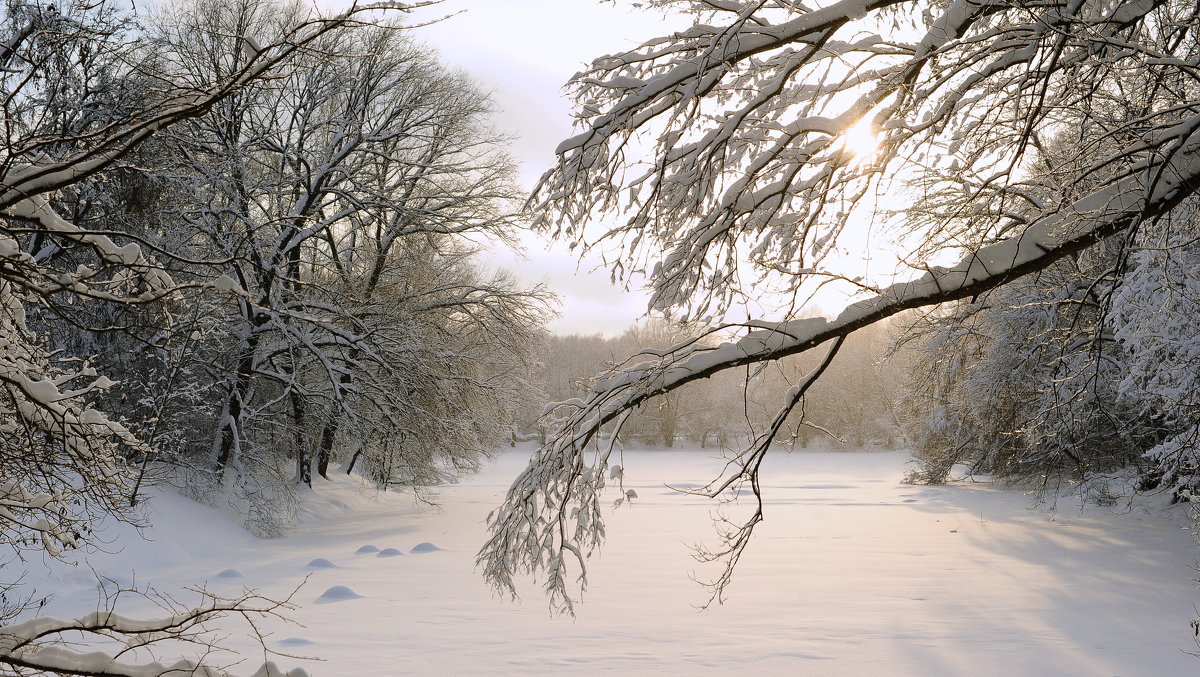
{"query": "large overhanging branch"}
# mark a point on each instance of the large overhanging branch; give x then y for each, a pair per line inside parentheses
(745, 125)
(551, 516)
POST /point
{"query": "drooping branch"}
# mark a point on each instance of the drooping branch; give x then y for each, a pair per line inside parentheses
(746, 468)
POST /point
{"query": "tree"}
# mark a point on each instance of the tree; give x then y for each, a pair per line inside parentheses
(1042, 381)
(1024, 385)
(745, 118)
(1072, 373)
(337, 205)
(1153, 322)
(77, 102)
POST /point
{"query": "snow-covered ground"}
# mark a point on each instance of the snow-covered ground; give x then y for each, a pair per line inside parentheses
(853, 573)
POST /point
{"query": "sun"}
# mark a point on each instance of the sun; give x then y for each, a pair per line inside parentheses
(860, 140)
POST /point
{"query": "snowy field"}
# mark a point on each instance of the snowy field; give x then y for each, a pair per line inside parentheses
(853, 573)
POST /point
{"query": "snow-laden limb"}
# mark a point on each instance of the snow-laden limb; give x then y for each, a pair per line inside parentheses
(743, 121)
(152, 281)
(47, 645)
(64, 464)
(551, 514)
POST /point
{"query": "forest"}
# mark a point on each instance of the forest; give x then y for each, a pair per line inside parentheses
(244, 253)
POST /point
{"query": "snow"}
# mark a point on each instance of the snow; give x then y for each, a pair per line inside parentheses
(852, 573)
(338, 593)
(224, 283)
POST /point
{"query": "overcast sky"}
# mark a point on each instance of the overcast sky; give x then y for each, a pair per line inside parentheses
(525, 51)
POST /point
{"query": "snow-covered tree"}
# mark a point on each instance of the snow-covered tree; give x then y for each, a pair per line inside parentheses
(724, 154)
(336, 205)
(78, 101)
(1044, 380)
(1153, 321)
(1023, 385)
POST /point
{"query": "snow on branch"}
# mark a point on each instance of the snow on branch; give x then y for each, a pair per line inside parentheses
(722, 155)
(722, 147)
(28, 172)
(47, 645)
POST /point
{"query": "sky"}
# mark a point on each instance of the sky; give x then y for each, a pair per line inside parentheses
(524, 51)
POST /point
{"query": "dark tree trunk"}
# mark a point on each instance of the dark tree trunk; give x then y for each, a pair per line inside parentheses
(231, 426)
(303, 458)
(353, 460)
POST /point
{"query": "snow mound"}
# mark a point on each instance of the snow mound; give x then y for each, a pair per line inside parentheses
(321, 563)
(338, 593)
(366, 549)
(230, 573)
(389, 552)
(423, 548)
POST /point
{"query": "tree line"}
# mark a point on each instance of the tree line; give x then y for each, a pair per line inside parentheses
(855, 407)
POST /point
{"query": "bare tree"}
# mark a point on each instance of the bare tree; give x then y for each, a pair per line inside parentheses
(750, 179)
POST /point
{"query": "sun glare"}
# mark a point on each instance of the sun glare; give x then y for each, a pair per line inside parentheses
(860, 140)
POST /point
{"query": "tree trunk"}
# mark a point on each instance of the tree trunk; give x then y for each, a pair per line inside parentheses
(353, 460)
(325, 450)
(303, 458)
(230, 427)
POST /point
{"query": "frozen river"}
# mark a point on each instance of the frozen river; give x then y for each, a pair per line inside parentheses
(853, 573)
